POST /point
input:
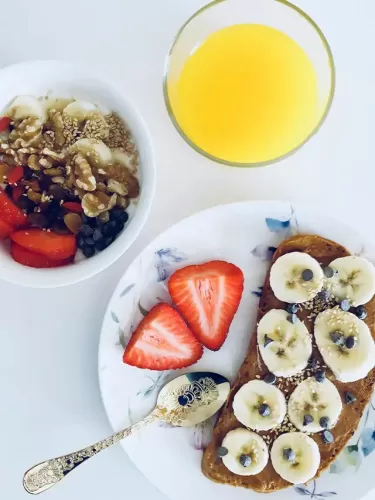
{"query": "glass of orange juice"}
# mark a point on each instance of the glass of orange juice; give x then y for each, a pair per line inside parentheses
(248, 82)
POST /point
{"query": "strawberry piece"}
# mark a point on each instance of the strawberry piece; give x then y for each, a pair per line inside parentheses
(10, 213)
(52, 245)
(4, 123)
(73, 206)
(17, 192)
(5, 230)
(162, 341)
(208, 296)
(31, 259)
(15, 175)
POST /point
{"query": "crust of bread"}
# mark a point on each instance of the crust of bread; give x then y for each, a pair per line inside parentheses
(324, 251)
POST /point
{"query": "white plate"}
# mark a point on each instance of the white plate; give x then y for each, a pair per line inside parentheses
(240, 233)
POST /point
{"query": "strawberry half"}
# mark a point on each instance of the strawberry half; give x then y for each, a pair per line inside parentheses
(52, 245)
(10, 213)
(162, 341)
(208, 296)
(31, 259)
(5, 230)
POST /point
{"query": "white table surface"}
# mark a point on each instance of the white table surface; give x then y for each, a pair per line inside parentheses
(49, 338)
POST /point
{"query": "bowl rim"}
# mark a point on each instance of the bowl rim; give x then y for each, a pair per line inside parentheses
(81, 271)
(265, 163)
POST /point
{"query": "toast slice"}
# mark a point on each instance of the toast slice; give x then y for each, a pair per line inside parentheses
(324, 251)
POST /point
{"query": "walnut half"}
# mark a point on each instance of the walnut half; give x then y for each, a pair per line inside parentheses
(82, 170)
(94, 204)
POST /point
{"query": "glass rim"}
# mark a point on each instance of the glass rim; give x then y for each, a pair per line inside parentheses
(317, 127)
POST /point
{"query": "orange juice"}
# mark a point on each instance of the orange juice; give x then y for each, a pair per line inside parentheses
(248, 93)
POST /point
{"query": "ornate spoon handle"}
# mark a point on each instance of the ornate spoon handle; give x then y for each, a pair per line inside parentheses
(43, 476)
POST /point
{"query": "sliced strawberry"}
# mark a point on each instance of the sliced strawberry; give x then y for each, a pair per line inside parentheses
(73, 206)
(5, 230)
(10, 213)
(208, 296)
(15, 175)
(52, 245)
(31, 259)
(4, 123)
(162, 341)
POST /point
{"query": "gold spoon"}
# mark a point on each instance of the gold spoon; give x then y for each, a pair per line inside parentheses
(185, 401)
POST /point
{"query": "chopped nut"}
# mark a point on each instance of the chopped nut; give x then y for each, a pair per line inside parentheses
(33, 196)
(59, 157)
(117, 187)
(73, 222)
(84, 177)
(58, 180)
(96, 203)
(79, 192)
(4, 170)
(33, 163)
(58, 125)
(45, 163)
(104, 216)
(53, 172)
(121, 174)
(122, 202)
(100, 186)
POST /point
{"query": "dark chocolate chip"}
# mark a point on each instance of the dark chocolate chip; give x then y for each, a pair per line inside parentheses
(349, 398)
(307, 275)
(270, 378)
(327, 437)
(264, 410)
(308, 419)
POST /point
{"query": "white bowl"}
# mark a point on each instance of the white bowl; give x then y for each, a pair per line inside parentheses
(58, 78)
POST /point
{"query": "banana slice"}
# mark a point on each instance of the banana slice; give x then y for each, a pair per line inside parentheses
(96, 152)
(57, 103)
(80, 110)
(125, 159)
(295, 457)
(296, 277)
(346, 344)
(314, 406)
(353, 279)
(284, 347)
(259, 406)
(26, 106)
(247, 452)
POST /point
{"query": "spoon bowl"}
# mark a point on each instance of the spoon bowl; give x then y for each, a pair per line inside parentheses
(192, 398)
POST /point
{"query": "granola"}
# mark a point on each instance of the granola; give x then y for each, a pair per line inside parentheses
(76, 165)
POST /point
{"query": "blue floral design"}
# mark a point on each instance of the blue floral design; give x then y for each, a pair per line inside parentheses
(114, 317)
(142, 310)
(201, 436)
(263, 252)
(303, 490)
(283, 227)
(368, 441)
(165, 258)
(277, 225)
(349, 457)
(257, 293)
(126, 290)
(155, 383)
(353, 454)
